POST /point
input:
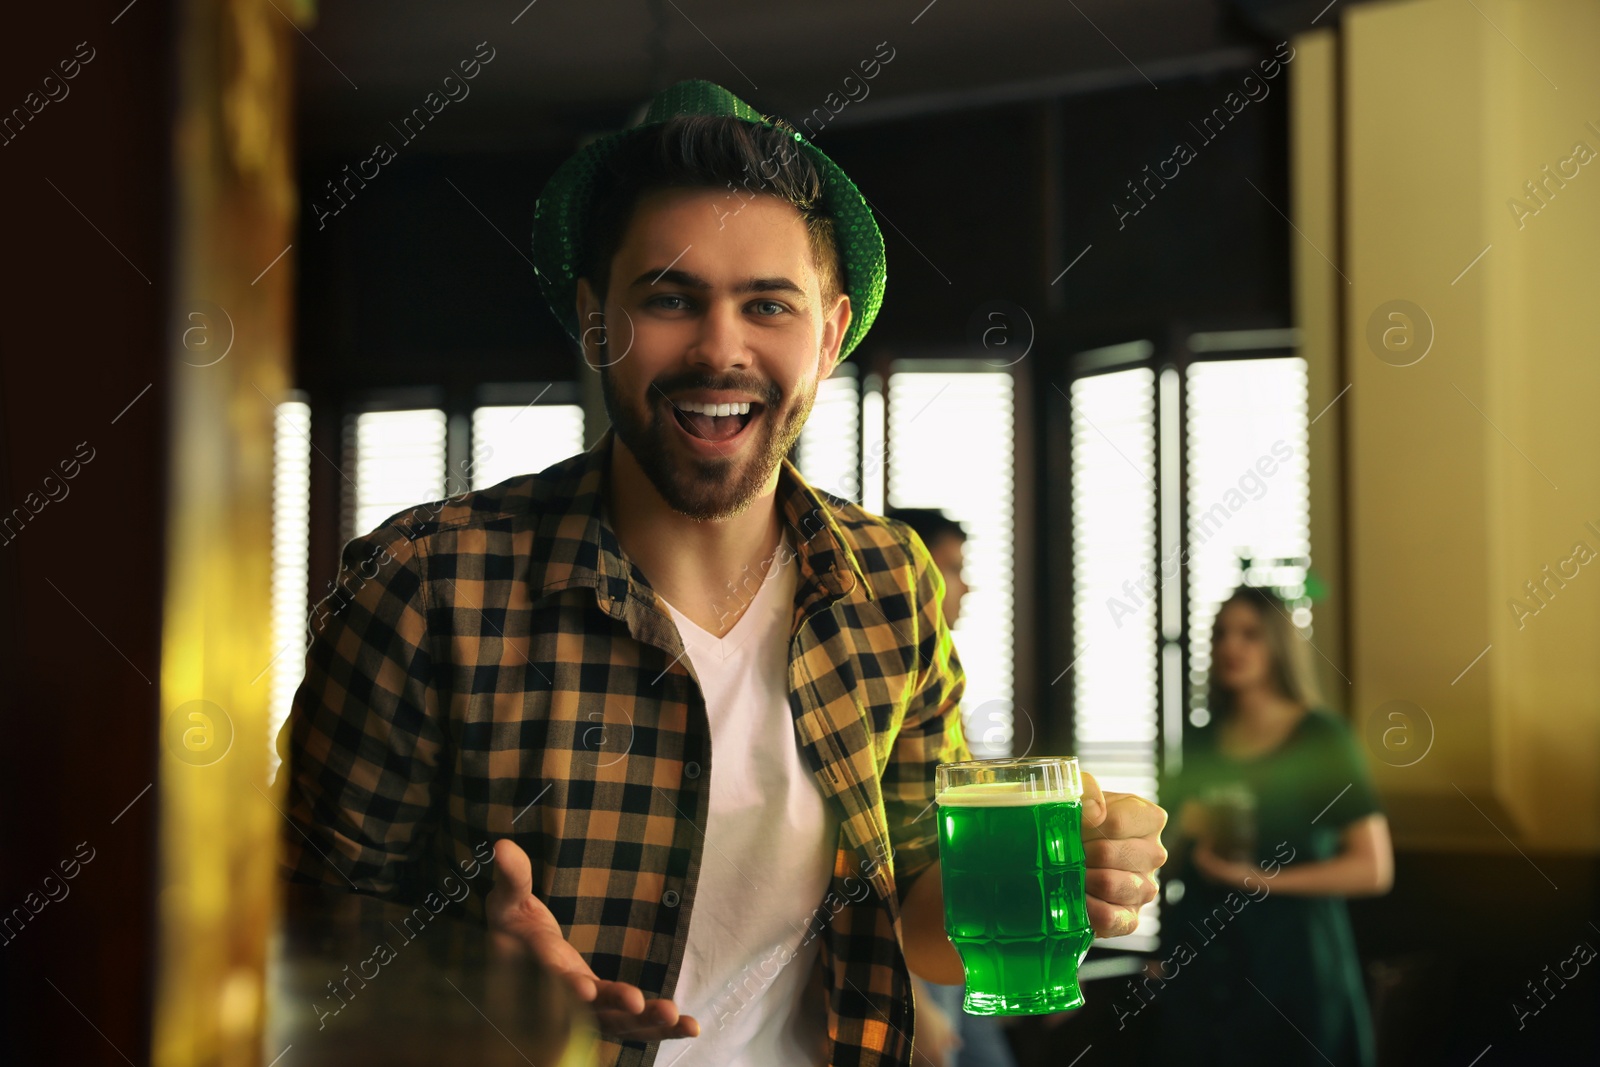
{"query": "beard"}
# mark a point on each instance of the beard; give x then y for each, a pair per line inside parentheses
(706, 489)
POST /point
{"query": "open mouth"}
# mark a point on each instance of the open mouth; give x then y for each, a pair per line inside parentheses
(715, 428)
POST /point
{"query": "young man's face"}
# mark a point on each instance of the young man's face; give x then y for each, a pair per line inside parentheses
(712, 299)
(948, 552)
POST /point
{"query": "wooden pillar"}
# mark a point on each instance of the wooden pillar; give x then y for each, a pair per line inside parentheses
(233, 225)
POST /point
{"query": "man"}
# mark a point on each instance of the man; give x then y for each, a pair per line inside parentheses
(695, 704)
(946, 541)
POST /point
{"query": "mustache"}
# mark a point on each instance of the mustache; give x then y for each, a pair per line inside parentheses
(769, 392)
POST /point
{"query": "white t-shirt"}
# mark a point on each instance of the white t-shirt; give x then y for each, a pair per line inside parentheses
(768, 854)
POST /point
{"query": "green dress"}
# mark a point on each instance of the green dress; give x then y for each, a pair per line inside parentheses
(1250, 977)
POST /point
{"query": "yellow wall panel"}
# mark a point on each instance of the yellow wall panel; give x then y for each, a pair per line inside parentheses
(1471, 468)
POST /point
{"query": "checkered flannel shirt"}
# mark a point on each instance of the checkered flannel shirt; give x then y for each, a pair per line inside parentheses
(494, 666)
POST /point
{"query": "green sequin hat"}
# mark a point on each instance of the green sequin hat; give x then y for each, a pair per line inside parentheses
(563, 207)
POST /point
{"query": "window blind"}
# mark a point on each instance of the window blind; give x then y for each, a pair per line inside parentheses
(291, 551)
(396, 460)
(1249, 506)
(508, 440)
(951, 446)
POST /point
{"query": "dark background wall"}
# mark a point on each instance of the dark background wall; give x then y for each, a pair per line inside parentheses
(412, 285)
(83, 332)
(424, 277)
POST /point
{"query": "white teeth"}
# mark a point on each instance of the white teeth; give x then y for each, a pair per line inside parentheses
(715, 409)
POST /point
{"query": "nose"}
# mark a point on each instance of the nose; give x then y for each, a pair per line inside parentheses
(720, 342)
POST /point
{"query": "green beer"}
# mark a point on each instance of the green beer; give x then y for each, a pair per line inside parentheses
(1011, 858)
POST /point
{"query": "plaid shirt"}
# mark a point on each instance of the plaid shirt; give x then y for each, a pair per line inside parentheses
(494, 666)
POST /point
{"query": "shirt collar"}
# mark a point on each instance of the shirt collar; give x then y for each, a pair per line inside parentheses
(575, 544)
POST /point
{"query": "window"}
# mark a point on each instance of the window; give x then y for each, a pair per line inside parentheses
(291, 528)
(1231, 500)
(397, 460)
(1114, 492)
(394, 460)
(1249, 518)
(508, 440)
(398, 455)
(1189, 477)
(937, 434)
(951, 446)
(829, 453)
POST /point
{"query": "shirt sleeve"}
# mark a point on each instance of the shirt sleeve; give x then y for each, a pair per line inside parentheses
(362, 745)
(931, 732)
(1345, 776)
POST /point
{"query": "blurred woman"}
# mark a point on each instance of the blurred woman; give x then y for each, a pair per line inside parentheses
(1278, 823)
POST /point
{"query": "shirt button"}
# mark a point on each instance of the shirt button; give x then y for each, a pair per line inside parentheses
(670, 898)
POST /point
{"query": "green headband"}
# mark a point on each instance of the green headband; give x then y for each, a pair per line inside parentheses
(562, 211)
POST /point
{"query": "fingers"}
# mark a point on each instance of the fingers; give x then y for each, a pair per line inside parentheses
(1130, 815)
(1142, 855)
(509, 895)
(513, 871)
(1114, 898)
(1123, 889)
(1093, 800)
(657, 1020)
(519, 922)
(1122, 851)
(1110, 920)
(623, 998)
(621, 1010)
(583, 985)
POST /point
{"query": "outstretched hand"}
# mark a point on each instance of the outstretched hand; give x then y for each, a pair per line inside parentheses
(520, 922)
(1122, 851)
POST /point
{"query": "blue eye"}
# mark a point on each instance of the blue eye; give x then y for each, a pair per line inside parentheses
(771, 304)
(658, 302)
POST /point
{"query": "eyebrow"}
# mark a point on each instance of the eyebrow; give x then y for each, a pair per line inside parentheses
(687, 280)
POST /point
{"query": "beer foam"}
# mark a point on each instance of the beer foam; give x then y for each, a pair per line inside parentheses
(1000, 795)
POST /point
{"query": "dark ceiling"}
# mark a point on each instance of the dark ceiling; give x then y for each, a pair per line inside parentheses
(561, 66)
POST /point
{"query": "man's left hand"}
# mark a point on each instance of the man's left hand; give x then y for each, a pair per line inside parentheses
(1122, 851)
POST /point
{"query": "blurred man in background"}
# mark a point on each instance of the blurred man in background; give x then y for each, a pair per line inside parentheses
(973, 1040)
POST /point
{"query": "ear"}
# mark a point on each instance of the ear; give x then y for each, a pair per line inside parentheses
(835, 324)
(591, 314)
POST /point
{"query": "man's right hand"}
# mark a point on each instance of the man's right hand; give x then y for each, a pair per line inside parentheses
(519, 922)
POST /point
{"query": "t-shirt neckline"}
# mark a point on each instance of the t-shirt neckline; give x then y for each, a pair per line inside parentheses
(735, 636)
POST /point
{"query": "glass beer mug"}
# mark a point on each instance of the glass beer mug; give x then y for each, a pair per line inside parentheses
(1011, 859)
